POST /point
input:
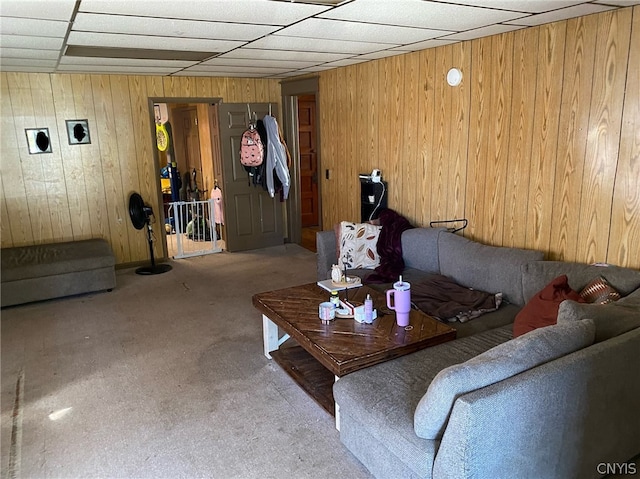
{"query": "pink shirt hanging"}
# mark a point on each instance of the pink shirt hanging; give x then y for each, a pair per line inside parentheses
(216, 196)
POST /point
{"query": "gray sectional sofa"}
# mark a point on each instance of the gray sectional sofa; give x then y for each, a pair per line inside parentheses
(557, 402)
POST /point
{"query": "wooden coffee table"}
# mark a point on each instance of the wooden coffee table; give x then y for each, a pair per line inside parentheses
(325, 352)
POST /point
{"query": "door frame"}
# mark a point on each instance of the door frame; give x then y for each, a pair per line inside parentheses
(290, 90)
(156, 157)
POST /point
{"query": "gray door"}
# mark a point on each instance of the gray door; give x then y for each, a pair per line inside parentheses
(252, 218)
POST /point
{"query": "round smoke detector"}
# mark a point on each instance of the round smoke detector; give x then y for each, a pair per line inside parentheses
(454, 77)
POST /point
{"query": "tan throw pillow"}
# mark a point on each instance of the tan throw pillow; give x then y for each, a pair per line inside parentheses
(599, 291)
(358, 245)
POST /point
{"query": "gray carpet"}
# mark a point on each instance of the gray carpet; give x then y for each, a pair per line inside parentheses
(164, 377)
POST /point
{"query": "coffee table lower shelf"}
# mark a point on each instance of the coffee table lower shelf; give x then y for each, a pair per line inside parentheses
(310, 375)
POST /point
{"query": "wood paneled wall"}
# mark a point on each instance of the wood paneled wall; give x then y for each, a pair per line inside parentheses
(539, 147)
(79, 192)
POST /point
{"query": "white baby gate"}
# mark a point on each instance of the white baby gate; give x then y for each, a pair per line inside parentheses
(191, 229)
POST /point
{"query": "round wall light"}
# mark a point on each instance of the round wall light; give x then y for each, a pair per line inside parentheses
(454, 77)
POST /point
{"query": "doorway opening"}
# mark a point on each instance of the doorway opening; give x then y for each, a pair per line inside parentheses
(191, 225)
(308, 148)
(300, 99)
(205, 149)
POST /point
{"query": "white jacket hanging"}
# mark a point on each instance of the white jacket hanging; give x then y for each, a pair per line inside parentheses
(276, 158)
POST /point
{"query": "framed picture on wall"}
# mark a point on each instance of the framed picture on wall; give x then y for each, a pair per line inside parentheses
(38, 140)
(78, 132)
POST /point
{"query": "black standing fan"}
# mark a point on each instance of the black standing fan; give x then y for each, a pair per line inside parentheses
(140, 214)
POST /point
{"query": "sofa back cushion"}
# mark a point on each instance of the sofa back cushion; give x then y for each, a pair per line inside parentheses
(492, 269)
(611, 319)
(499, 363)
(537, 274)
(420, 249)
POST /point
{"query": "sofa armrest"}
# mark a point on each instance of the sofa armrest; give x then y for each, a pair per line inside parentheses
(554, 421)
(326, 248)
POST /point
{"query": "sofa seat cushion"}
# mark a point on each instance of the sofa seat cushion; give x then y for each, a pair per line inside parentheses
(374, 452)
(446, 300)
(499, 363)
(537, 274)
(36, 261)
(504, 316)
(487, 268)
(383, 397)
(410, 275)
(611, 319)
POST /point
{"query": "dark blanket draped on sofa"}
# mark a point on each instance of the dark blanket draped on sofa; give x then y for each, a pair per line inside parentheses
(389, 247)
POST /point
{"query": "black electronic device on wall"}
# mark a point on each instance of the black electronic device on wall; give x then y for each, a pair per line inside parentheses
(373, 195)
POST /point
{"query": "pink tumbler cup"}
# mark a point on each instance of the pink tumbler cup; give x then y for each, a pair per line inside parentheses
(401, 302)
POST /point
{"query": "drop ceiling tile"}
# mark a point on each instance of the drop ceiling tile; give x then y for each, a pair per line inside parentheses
(347, 62)
(423, 45)
(562, 14)
(116, 70)
(24, 53)
(317, 68)
(239, 11)
(115, 40)
(419, 13)
(33, 27)
(382, 54)
(32, 31)
(619, 3)
(252, 53)
(358, 32)
(237, 69)
(49, 10)
(258, 63)
(190, 73)
(92, 22)
(28, 69)
(281, 42)
(288, 74)
(26, 62)
(530, 6)
(38, 43)
(174, 64)
(482, 32)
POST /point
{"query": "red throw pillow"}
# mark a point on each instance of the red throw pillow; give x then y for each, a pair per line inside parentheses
(542, 309)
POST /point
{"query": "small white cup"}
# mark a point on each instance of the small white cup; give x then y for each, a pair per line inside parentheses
(326, 311)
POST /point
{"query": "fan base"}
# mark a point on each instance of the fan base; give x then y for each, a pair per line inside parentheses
(157, 269)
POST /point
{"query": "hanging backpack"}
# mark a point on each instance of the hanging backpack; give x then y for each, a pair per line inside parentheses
(252, 153)
(251, 148)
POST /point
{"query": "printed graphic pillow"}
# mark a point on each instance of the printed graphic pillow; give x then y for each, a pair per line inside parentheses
(611, 319)
(358, 245)
(599, 291)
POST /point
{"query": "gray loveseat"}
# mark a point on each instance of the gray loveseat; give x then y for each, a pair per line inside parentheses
(558, 402)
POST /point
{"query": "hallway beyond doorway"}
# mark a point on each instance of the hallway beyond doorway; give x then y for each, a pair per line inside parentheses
(309, 238)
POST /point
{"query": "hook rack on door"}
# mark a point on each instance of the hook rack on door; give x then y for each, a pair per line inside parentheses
(252, 116)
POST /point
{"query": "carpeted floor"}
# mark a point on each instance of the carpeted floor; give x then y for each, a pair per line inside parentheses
(164, 377)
